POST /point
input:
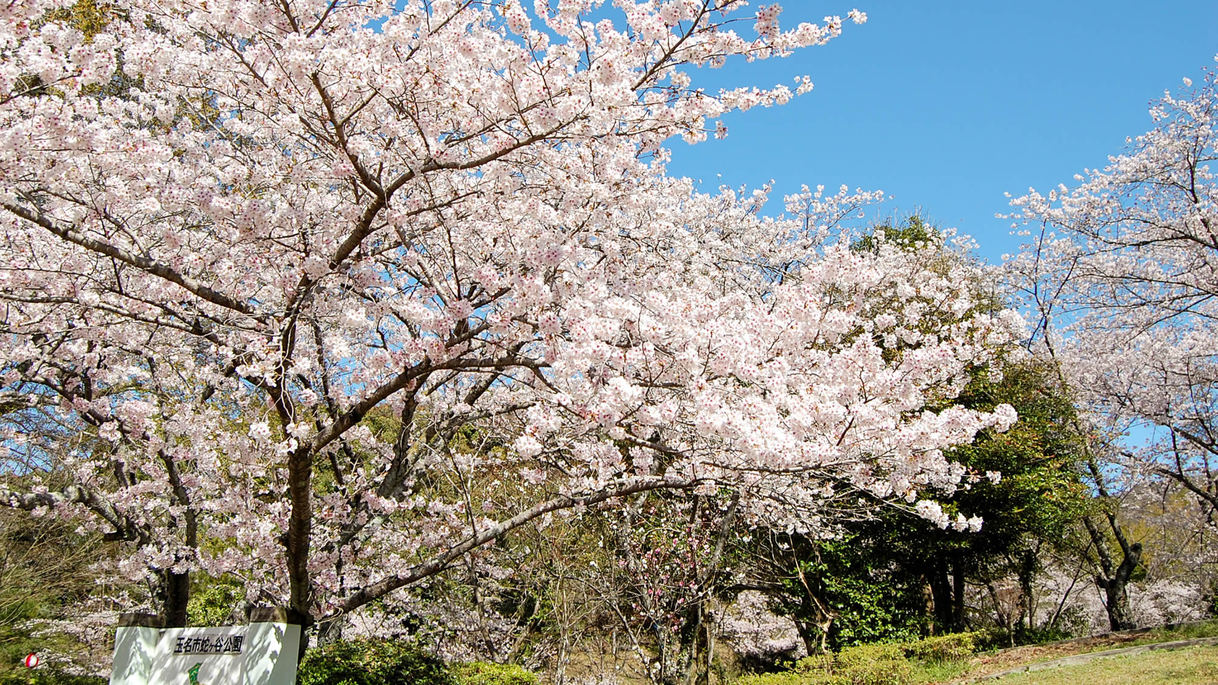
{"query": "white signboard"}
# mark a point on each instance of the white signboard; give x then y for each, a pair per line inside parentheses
(255, 654)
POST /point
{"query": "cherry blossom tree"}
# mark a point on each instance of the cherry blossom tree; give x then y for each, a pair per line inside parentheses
(1124, 265)
(1121, 273)
(330, 295)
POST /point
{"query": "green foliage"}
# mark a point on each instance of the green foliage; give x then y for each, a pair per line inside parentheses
(483, 673)
(941, 648)
(44, 567)
(874, 601)
(1038, 495)
(372, 662)
(892, 663)
(1040, 491)
(814, 670)
(212, 602)
(88, 16)
(914, 234)
(43, 676)
(792, 678)
(1070, 625)
(398, 662)
(874, 664)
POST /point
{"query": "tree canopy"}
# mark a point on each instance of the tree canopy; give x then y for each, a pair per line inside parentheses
(265, 265)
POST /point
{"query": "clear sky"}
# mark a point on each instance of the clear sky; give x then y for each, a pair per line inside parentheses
(947, 104)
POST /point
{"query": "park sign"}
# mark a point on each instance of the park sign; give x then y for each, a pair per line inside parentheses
(264, 652)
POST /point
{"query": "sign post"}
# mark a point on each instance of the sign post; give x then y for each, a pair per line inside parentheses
(263, 652)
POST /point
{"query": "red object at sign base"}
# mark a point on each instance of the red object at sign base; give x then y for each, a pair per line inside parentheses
(31, 660)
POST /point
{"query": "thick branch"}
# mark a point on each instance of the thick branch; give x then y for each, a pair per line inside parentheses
(146, 265)
(441, 561)
(73, 494)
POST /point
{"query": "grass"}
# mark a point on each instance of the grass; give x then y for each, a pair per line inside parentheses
(1185, 666)
(951, 659)
(1028, 654)
(940, 672)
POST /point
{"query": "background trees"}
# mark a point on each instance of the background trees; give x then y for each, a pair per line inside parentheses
(1121, 275)
(46, 572)
(892, 575)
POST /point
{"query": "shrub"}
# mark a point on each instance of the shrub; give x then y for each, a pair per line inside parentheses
(43, 676)
(874, 664)
(942, 648)
(813, 670)
(372, 662)
(483, 673)
(891, 663)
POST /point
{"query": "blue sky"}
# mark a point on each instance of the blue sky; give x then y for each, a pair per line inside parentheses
(945, 105)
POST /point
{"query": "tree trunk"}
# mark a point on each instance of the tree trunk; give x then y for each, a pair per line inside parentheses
(941, 595)
(297, 543)
(1119, 616)
(957, 623)
(1114, 578)
(175, 596)
(1026, 576)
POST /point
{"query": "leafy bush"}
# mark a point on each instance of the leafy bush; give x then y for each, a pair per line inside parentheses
(892, 663)
(940, 648)
(814, 670)
(875, 664)
(44, 676)
(483, 673)
(372, 662)
(873, 600)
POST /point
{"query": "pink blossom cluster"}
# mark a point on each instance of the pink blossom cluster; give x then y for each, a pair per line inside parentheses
(329, 295)
(754, 631)
(1120, 273)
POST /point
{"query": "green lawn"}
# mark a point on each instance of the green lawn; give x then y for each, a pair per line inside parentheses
(1185, 666)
